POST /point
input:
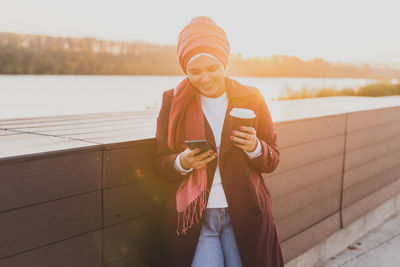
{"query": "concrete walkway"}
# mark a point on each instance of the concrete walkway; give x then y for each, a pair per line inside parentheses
(379, 248)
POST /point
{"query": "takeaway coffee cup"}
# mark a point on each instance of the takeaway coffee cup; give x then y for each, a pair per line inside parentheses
(242, 117)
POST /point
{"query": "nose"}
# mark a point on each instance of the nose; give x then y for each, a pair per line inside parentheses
(204, 78)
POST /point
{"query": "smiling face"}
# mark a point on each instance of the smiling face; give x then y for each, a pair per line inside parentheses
(207, 75)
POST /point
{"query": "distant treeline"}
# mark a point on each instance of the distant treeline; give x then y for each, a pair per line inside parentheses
(36, 54)
(374, 90)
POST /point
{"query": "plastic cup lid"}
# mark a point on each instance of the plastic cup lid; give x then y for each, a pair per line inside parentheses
(243, 113)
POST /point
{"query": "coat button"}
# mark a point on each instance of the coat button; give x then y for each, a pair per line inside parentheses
(247, 172)
(256, 208)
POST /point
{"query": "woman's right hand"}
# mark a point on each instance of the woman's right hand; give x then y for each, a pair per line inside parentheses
(189, 159)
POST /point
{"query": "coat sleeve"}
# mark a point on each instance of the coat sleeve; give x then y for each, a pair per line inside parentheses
(269, 159)
(165, 159)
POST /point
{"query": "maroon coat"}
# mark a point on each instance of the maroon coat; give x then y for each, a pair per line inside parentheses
(247, 195)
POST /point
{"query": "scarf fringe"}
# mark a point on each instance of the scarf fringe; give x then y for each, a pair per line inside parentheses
(194, 210)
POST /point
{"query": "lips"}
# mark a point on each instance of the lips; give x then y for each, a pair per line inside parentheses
(206, 85)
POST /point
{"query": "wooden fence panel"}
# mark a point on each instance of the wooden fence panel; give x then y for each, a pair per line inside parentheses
(310, 237)
(33, 226)
(30, 182)
(83, 250)
(130, 237)
(129, 164)
(133, 200)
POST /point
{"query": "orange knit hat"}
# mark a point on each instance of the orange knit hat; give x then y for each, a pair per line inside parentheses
(202, 35)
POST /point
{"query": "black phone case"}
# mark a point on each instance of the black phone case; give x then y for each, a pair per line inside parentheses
(202, 144)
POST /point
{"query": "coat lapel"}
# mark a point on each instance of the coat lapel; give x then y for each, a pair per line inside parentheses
(226, 142)
(209, 134)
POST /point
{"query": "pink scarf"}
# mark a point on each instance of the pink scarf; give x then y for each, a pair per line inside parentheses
(186, 122)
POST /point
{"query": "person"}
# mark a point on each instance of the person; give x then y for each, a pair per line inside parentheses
(217, 211)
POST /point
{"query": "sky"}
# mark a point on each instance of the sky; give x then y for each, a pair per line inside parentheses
(350, 31)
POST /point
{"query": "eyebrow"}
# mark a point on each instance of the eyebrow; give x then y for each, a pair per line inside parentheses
(213, 65)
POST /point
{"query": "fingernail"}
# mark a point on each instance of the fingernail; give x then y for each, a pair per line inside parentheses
(215, 154)
(231, 137)
(210, 152)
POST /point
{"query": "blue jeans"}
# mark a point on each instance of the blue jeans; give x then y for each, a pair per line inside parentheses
(217, 245)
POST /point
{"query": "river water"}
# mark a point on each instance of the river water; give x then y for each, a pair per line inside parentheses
(48, 95)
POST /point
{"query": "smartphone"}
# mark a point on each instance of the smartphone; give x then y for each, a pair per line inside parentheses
(202, 144)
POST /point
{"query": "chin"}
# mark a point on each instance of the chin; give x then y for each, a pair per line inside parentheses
(211, 93)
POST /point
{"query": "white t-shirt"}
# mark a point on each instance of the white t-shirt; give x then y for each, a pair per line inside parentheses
(214, 109)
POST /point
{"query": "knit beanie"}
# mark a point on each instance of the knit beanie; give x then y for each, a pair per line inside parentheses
(202, 35)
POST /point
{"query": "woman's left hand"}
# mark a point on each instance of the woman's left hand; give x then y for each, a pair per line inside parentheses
(245, 139)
